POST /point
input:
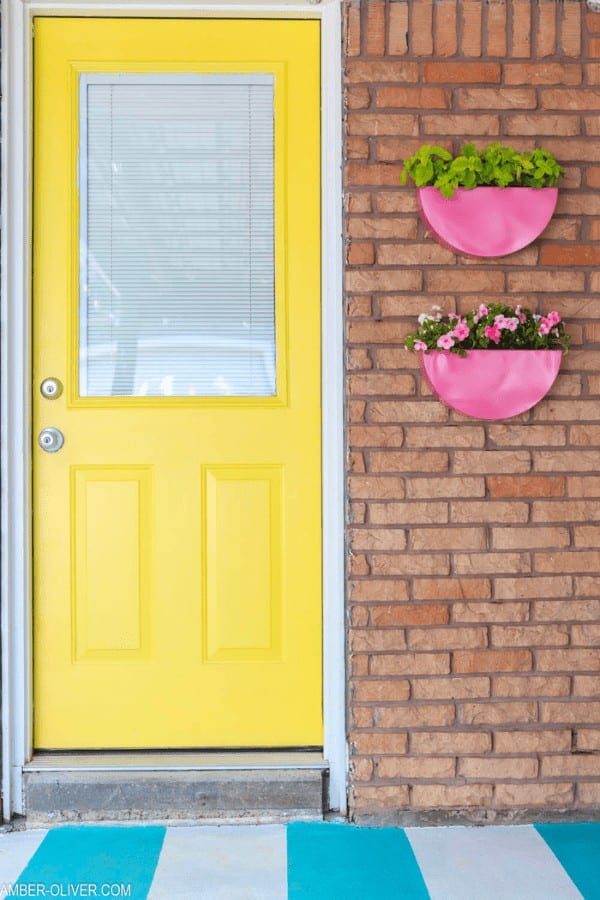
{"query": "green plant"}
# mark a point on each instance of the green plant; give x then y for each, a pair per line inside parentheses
(495, 165)
(493, 327)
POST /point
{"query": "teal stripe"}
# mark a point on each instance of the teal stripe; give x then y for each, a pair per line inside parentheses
(577, 847)
(331, 862)
(75, 855)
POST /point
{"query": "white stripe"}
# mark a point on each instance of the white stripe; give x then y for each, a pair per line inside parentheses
(225, 862)
(16, 849)
(489, 863)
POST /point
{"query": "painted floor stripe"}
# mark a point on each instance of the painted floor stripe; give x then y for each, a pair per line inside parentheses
(235, 862)
(345, 862)
(489, 863)
(76, 855)
(577, 846)
(16, 849)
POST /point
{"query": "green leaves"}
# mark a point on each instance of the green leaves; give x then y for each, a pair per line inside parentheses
(496, 165)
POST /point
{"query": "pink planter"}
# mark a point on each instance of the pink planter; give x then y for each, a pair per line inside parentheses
(487, 221)
(491, 384)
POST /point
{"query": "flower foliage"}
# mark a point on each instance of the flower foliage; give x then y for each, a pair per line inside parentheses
(496, 166)
(489, 327)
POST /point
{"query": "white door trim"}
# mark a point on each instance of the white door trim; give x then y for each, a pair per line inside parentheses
(15, 349)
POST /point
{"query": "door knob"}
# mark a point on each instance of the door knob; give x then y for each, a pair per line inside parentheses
(51, 440)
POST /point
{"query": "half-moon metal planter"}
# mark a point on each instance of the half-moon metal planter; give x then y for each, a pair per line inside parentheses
(491, 384)
(487, 221)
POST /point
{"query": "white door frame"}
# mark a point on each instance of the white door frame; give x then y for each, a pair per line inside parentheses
(15, 349)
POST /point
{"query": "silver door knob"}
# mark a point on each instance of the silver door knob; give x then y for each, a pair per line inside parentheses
(51, 388)
(51, 440)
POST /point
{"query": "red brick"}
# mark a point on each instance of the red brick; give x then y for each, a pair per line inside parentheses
(496, 28)
(521, 28)
(580, 660)
(549, 282)
(430, 715)
(358, 202)
(377, 539)
(570, 29)
(373, 124)
(565, 255)
(376, 436)
(492, 768)
(492, 661)
(357, 148)
(570, 766)
(572, 561)
(586, 635)
(533, 587)
(587, 535)
(411, 664)
(568, 610)
(358, 71)
(376, 227)
(583, 485)
(413, 255)
(434, 795)
(361, 254)
(545, 39)
(397, 202)
(462, 73)
(361, 717)
(448, 539)
(374, 32)
(529, 635)
(449, 280)
(401, 615)
(445, 36)
(471, 124)
(542, 124)
(496, 98)
(450, 688)
(403, 769)
(534, 686)
(532, 741)
(380, 384)
(498, 611)
(486, 461)
(524, 538)
(379, 743)
(531, 486)
(542, 73)
(530, 436)
(492, 713)
(588, 739)
(488, 511)
(408, 513)
(410, 564)
(482, 563)
(413, 98)
(372, 639)
(398, 28)
(421, 27)
(408, 461)
(565, 511)
(575, 712)
(358, 97)
(451, 589)
(364, 800)
(470, 44)
(430, 488)
(552, 795)
(372, 487)
(450, 742)
(446, 638)
(570, 98)
(369, 174)
(451, 436)
(376, 691)
(364, 281)
(352, 29)
(408, 411)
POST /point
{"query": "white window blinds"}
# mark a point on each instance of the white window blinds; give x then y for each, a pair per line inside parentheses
(176, 226)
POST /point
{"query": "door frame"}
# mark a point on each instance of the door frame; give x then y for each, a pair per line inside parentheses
(15, 371)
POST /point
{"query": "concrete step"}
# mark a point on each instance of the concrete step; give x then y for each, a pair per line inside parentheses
(215, 787)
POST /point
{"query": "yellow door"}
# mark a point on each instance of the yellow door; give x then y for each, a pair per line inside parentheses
(177, 580)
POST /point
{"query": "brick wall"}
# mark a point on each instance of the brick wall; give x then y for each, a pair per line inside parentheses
(474, 563)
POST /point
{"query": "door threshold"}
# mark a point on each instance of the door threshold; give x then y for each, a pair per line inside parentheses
(175, 761)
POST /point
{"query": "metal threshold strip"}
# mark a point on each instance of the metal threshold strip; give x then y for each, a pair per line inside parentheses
(176, 761)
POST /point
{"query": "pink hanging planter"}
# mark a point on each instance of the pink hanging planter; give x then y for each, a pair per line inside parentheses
(491, 384)
(487, 221)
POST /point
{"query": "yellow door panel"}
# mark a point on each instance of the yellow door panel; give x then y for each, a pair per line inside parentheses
(177, 536)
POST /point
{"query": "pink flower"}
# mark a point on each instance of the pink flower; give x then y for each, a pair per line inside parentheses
(445, 342)
(520, 314)
(553, 317)
(481, 312)
(493, 333)
(511, 323)
(545, 326)
(452, 316)
(461, 330)
(420, 345)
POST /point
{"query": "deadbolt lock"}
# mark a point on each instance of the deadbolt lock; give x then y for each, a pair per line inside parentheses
(51, 440)
(51, 388)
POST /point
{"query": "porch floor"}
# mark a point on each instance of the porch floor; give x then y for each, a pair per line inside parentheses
(303, 861)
